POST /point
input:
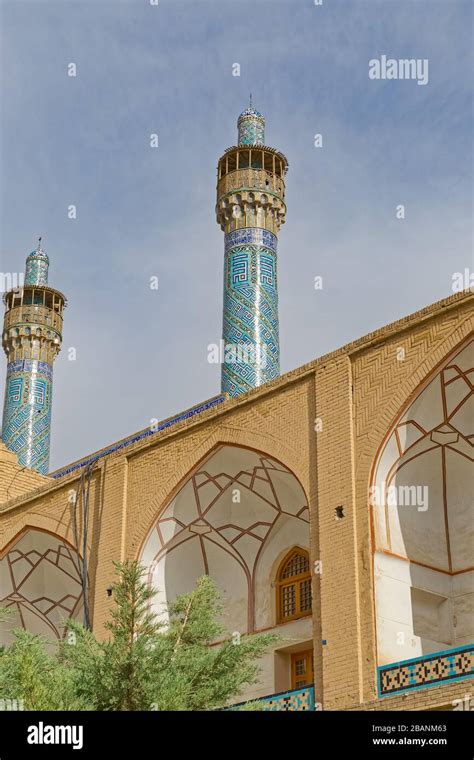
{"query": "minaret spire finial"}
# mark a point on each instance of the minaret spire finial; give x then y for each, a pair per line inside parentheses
(250, 100)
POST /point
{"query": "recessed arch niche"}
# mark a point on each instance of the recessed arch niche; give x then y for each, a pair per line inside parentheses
(422, 509)
(233, 516)
(40, 584)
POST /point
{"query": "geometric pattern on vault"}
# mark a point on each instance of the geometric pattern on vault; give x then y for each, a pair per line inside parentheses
(205, 512)
(40, 583)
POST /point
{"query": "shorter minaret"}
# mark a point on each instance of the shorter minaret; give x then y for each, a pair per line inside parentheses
(32, 334)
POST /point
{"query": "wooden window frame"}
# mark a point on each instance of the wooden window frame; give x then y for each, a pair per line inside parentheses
(294, 580)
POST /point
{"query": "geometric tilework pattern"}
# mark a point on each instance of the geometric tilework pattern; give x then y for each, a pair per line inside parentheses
(251, 127)
(299, 700)
(250, 325)
(27, 412)
(252, 235)
(431, 670)
(250, 134)
(37, 265)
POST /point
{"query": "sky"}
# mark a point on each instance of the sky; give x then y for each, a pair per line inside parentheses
(142, 212)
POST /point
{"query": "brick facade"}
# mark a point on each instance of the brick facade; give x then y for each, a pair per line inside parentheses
(325, 421)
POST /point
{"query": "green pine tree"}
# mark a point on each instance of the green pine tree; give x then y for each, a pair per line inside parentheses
(187, 664)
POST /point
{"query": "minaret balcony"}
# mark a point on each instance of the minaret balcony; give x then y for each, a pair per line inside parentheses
(259, 180)
(32, 317)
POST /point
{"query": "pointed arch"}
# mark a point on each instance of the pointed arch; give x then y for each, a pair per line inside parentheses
(422, 515)
(40, 582)
(293, 586)
(229, 517)
(190, 458)
(431, 435)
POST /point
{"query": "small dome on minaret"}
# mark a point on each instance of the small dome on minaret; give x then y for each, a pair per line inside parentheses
(251, 126)
(37, 265)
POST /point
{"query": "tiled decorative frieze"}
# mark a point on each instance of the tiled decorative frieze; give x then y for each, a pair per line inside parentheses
(298, 700)
(252, 236)
(429, 670)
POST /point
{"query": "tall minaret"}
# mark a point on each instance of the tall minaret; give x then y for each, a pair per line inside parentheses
(250, 209)
(32, 334)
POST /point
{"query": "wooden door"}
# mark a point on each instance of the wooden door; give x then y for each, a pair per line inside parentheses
(302, 669)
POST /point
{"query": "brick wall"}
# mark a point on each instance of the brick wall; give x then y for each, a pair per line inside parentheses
(356, 392)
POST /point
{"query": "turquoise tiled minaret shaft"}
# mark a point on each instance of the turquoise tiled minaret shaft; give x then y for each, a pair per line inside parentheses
(250, 209)
(32, 334)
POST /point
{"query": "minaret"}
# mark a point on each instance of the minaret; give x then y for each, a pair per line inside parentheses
(250, 209)
(32, 333)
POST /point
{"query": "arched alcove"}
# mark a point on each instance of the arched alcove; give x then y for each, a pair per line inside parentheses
(40, 583)
(231, 518)
(422, 510)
